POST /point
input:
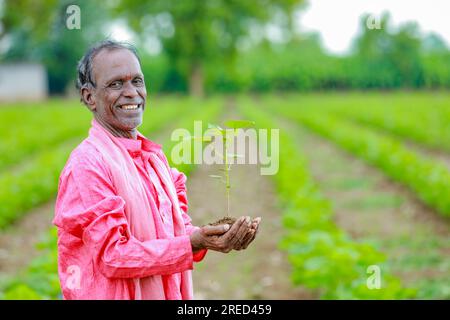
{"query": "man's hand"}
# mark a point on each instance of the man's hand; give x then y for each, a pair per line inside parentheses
(250, 236)
(222, 238)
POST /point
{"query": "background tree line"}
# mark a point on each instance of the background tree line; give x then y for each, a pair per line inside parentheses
(210, 46)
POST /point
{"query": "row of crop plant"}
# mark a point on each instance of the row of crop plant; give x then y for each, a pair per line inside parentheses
(322, 256)
(428, 178)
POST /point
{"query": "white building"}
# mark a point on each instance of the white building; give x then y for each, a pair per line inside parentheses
(23, 81)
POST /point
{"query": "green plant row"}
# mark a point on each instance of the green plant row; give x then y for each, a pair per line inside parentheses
(17, 116)
(425, 125)
(36, 128)
(32, 185)
(40, 279)
(323, 257)
(427, 178)
(45, 128)
(421, 117)
(36, 181)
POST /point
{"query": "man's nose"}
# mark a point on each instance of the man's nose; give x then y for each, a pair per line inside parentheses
(129, 90)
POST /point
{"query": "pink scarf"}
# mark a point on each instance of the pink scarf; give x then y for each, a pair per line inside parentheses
(142, 215)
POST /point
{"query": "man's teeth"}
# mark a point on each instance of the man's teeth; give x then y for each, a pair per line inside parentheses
(130, 106)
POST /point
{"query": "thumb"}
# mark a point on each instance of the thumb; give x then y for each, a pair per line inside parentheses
(215, 230)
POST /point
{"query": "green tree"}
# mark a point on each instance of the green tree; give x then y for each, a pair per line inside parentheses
(37, 32)
(64, 47)
(387, 58)
(32, 16)
(436, 62)
(194, 33)
(25, 24)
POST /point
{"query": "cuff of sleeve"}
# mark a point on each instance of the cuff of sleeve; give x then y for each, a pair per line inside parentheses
(199, 255)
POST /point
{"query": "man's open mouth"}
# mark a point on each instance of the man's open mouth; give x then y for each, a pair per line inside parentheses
(130, 106)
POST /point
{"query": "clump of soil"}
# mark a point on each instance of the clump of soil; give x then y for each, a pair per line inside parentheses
(224, 220)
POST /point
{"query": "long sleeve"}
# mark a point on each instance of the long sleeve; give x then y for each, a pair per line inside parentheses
(88, 208)
(179, 180)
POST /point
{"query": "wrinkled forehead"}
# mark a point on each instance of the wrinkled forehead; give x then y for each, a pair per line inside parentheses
(112, 64)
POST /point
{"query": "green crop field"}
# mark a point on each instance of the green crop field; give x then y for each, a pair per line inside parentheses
(363, 180)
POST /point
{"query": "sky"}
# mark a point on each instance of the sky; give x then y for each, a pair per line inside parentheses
(337, 21)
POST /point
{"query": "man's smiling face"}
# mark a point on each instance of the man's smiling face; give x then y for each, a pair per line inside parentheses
(118, 99)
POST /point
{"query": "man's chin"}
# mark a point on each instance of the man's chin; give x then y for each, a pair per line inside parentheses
(132, 125)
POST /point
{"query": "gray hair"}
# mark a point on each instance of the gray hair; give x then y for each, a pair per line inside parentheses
(84, 68)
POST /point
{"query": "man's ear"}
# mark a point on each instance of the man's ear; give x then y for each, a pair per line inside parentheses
(88, 97)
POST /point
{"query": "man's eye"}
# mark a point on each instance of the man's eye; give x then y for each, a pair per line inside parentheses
(138, 81)
(116, 85)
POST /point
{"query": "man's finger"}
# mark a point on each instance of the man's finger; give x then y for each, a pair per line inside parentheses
(256, 222)
(215, 230)
(239, 236)
(249, 240)
(251, 236)
(233, 230)
(230, 237)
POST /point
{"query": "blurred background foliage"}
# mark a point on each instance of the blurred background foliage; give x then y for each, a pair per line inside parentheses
(221, 46)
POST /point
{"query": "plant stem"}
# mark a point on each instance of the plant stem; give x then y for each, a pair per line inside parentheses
(227, 176)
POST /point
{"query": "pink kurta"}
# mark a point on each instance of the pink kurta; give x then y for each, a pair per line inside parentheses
(99, 257)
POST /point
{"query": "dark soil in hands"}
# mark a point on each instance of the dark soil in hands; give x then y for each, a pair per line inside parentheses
(224, 220)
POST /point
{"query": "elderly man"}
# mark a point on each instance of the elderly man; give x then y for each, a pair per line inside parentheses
(121, 211)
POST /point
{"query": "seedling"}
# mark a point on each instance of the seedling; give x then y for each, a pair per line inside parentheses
(225, 134)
